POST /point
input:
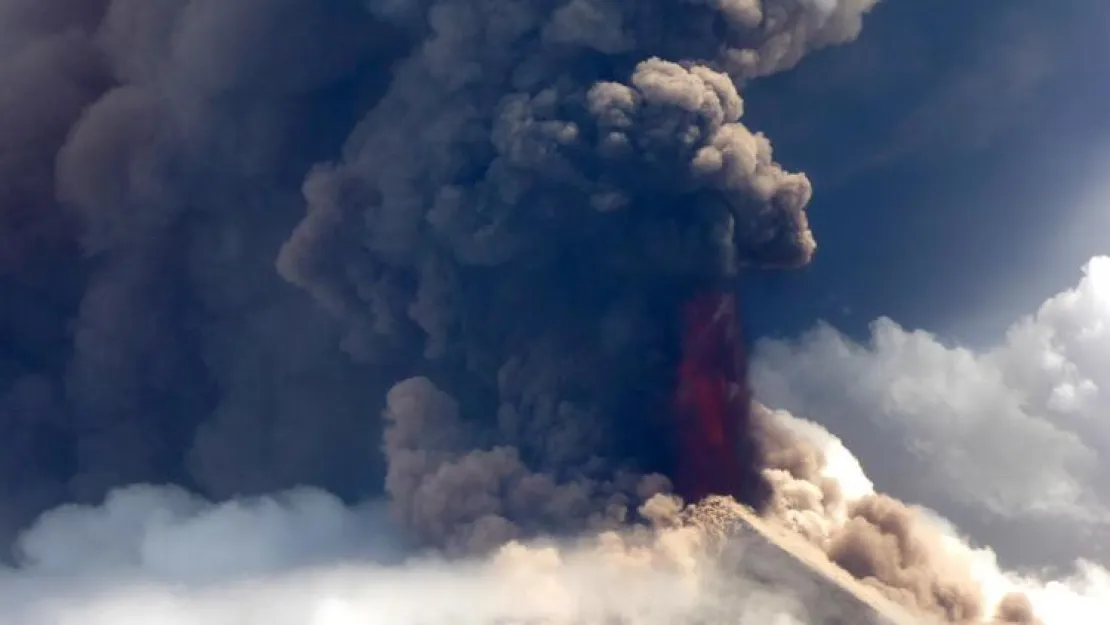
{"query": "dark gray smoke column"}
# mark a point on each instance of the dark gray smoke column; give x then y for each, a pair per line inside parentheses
(540, 187)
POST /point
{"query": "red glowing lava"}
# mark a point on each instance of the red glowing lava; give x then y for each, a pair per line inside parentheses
(712, 404)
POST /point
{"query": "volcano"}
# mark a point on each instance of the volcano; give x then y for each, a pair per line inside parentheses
(776, 560)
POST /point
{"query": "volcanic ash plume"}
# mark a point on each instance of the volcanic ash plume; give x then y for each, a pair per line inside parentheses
(542, 194)
(152, 160)
(513, 199)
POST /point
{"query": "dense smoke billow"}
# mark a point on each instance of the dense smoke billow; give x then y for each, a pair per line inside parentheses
(433, 251)
(230, 228)
(537, 192)
(153, 155)
(877, 539)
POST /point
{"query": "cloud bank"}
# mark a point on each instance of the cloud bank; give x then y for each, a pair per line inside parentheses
(1009, 441)
(157, 555)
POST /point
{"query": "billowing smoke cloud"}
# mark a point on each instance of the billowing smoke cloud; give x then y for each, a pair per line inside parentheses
(153, 153)
(906, 553)
(536, 194)
(877, 539)
(449, 495)
(511, 199)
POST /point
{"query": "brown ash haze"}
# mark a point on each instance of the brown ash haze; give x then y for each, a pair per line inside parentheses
(435, 252)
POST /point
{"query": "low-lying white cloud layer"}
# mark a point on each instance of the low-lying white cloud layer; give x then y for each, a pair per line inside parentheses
(156, 556)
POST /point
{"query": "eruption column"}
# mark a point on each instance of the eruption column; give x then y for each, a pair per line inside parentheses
(717, 451)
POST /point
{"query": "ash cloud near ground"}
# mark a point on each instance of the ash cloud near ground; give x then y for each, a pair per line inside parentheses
(162, 555)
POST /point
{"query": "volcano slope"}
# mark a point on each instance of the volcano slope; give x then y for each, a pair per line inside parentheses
(777, 559)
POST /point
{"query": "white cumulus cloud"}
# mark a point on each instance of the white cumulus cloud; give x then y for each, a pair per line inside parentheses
(1012, 439)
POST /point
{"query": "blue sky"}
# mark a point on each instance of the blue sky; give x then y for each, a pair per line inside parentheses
(956, 151)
